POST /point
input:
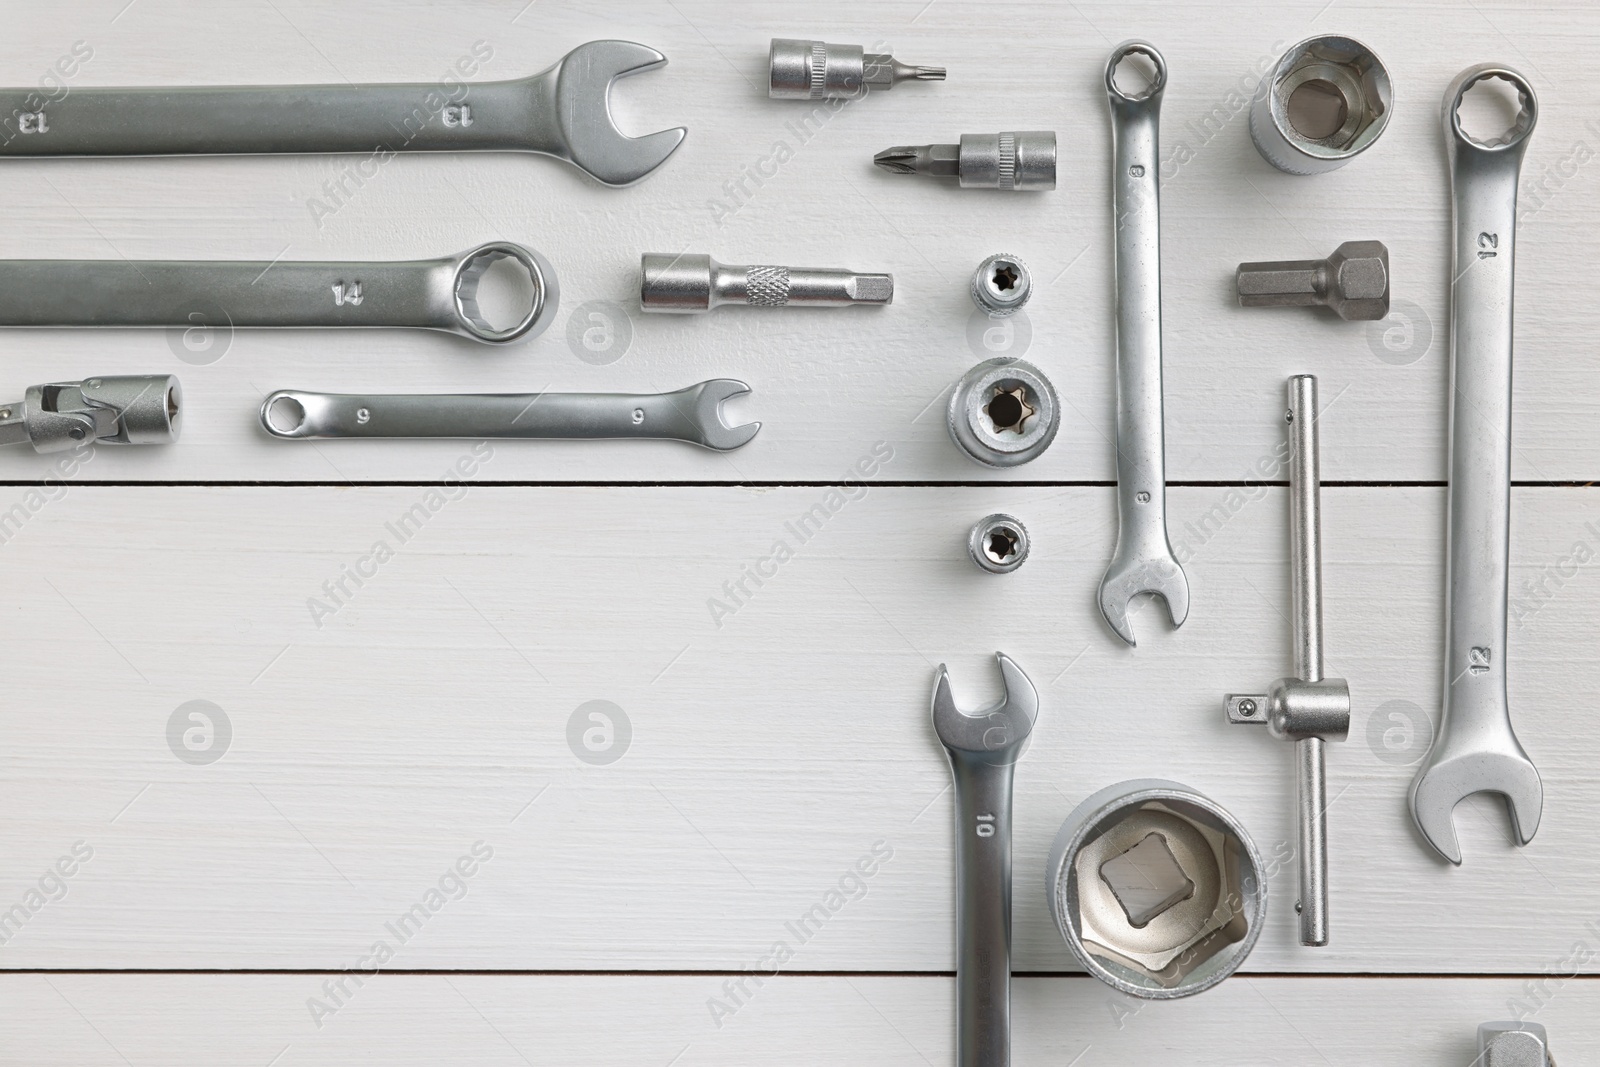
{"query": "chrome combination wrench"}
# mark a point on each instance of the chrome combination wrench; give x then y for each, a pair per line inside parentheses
(426, 294)
(1476, 749)
(693, 414)
(564, 112)
(1143, 561)
(983, 747)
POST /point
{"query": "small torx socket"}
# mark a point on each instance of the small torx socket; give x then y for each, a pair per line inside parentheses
(1354, 282)
(686, 284)
(816, 70)
(1018, 162)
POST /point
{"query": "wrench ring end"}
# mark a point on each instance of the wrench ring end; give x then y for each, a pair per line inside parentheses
(1527, 114)
(470, 269)
(291, 410)
(1140, 48)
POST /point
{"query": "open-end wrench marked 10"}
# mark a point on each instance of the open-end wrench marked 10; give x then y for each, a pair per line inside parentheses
(983, 747)
(426, 294)
(1476, 749)
(564, 112)
(693, 414)
(1143, 561)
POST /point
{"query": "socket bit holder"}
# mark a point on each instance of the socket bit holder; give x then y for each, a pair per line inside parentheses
(122, 409)
(998, 544)
(816, 70)
(688, 284)
(1016, 162)
(1354, 282)
(1325, 102)
(1003, 412)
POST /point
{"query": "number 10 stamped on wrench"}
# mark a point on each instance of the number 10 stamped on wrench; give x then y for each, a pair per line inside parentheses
(983, 747)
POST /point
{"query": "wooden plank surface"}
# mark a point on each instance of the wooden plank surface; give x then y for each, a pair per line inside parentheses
(432, 707)
(827, 380)
(88, 1020)
(267, 728)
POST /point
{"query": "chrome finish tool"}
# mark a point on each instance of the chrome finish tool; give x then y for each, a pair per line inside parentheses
(1308, 708)
(1476, 750)
(983, 747)
(1143, 561)
(564, 111)
(693, 415)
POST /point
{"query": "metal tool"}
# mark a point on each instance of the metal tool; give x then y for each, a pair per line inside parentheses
(1307, 708)
(1143, 561)
(118, 409)
(685, 284)
(1003, 412)
(1001, 285)
(1325, 102)
(998, 544)
(1157, 890)
(983, 747)
(1476, 749)
(564, 111)
(693, 414)
(1354, 282)
(1018, 162)
(815, 70)
(427, 294)
(1513, 1044)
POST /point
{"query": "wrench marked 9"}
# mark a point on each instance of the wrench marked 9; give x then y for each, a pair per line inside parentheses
(1143, 561)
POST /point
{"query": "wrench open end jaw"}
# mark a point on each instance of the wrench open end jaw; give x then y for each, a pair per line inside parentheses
(1448, 780)
(1127, 577)
(998, 730)
(583, 81)
(705, 400)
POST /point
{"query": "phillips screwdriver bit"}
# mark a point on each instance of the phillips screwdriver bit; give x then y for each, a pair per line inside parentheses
(686, 284)
(815, 70)
(1014, 161)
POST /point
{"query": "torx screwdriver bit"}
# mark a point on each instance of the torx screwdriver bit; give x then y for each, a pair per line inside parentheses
(687, 284)
(816, 70)
(1017, 162)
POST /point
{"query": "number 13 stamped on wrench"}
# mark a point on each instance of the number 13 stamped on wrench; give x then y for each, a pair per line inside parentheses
(1143, 562)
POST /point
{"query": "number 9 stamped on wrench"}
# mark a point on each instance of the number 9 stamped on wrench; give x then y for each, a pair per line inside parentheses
(1143, 561)
(1476, 750)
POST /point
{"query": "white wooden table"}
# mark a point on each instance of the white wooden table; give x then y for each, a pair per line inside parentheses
(412, 747)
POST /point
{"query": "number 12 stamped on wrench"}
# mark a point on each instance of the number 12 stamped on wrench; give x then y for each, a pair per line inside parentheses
(1143, 562)
(1476, 750)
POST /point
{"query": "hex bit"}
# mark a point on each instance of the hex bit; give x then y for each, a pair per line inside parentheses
(687, 284)
(1354, 282)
